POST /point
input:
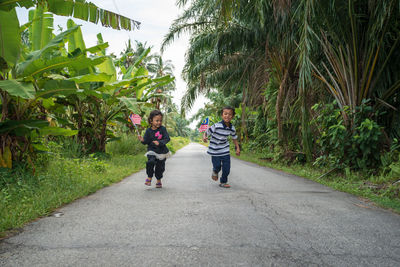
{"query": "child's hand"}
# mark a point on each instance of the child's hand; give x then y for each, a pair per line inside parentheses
(238, 151)
(205, 137)
(140, 138)
(156, 143)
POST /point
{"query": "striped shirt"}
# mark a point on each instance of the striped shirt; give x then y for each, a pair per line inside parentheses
(219, 144)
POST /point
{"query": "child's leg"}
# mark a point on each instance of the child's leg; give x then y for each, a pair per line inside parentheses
(216, 162)
(151, 162)
(160, 168)
(226, 168)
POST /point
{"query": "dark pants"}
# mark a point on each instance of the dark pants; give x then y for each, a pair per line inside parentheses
(223, 162)
(155, 166)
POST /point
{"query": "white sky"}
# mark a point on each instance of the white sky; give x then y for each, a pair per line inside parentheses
(155, 16)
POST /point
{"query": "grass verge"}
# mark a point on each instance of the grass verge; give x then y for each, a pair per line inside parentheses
(25, 197)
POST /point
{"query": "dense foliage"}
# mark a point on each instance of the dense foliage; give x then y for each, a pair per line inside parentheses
(52, 85)
(314, 81)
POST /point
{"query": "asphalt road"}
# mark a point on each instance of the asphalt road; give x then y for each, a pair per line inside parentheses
(267, 218)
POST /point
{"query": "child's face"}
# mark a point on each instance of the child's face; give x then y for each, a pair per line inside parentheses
(227, 115)
(157, 121)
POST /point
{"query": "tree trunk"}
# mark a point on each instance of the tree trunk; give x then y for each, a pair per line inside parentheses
(103, 137)
(279, 104)
(305, 127)
(245, 134)
(4, 111)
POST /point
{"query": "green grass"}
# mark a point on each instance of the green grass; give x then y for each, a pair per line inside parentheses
(27, 197)
(177, 143)
(128, 144)
(60, 180)
(383, 194)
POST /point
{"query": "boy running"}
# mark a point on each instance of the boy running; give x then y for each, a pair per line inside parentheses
(219, 145)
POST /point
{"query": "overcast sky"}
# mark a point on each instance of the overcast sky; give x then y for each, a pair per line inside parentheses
(155, 16)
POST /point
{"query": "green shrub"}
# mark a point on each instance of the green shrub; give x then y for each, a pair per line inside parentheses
(125, 144)
(356, 144)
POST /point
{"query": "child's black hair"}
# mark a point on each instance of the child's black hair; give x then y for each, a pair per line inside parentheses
(154, 113)
(228, 107)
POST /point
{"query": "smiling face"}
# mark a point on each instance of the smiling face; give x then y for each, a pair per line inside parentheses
(227, 115)
(156, 122)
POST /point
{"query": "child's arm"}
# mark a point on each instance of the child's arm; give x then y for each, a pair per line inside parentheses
(205, 137)
(235, 141)
(140, 138)
(236, 146)
(165, 137)
(146, 139)
(208, 133)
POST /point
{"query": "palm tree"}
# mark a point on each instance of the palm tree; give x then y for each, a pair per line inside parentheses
(159, 68)
(231, 55)
(300, 45)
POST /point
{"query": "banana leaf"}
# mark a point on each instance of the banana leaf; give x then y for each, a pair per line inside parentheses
(141, 57)
(53, 88)
(10, 4)
(155, 83)
(108, 65)
(19, 89)
(89, 12)
(118, 84)
(41, 29)
(75, 40)
(53, 44)
(38, 66)
(130, 103)
(79, 9)
(133, 70)
(95, 77)
(97, 48)
(122, 119)
(21, 128)
(57, 131)
(10, 39)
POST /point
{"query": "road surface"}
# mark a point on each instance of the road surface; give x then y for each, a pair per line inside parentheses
(267, 218)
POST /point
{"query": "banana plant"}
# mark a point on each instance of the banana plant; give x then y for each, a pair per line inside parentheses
(48, 90)
(110, 101)
(27, 81)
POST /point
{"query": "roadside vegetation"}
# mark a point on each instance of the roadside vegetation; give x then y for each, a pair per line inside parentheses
(380, 189)
(64, 126)
(64, 175)
(315, 85)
